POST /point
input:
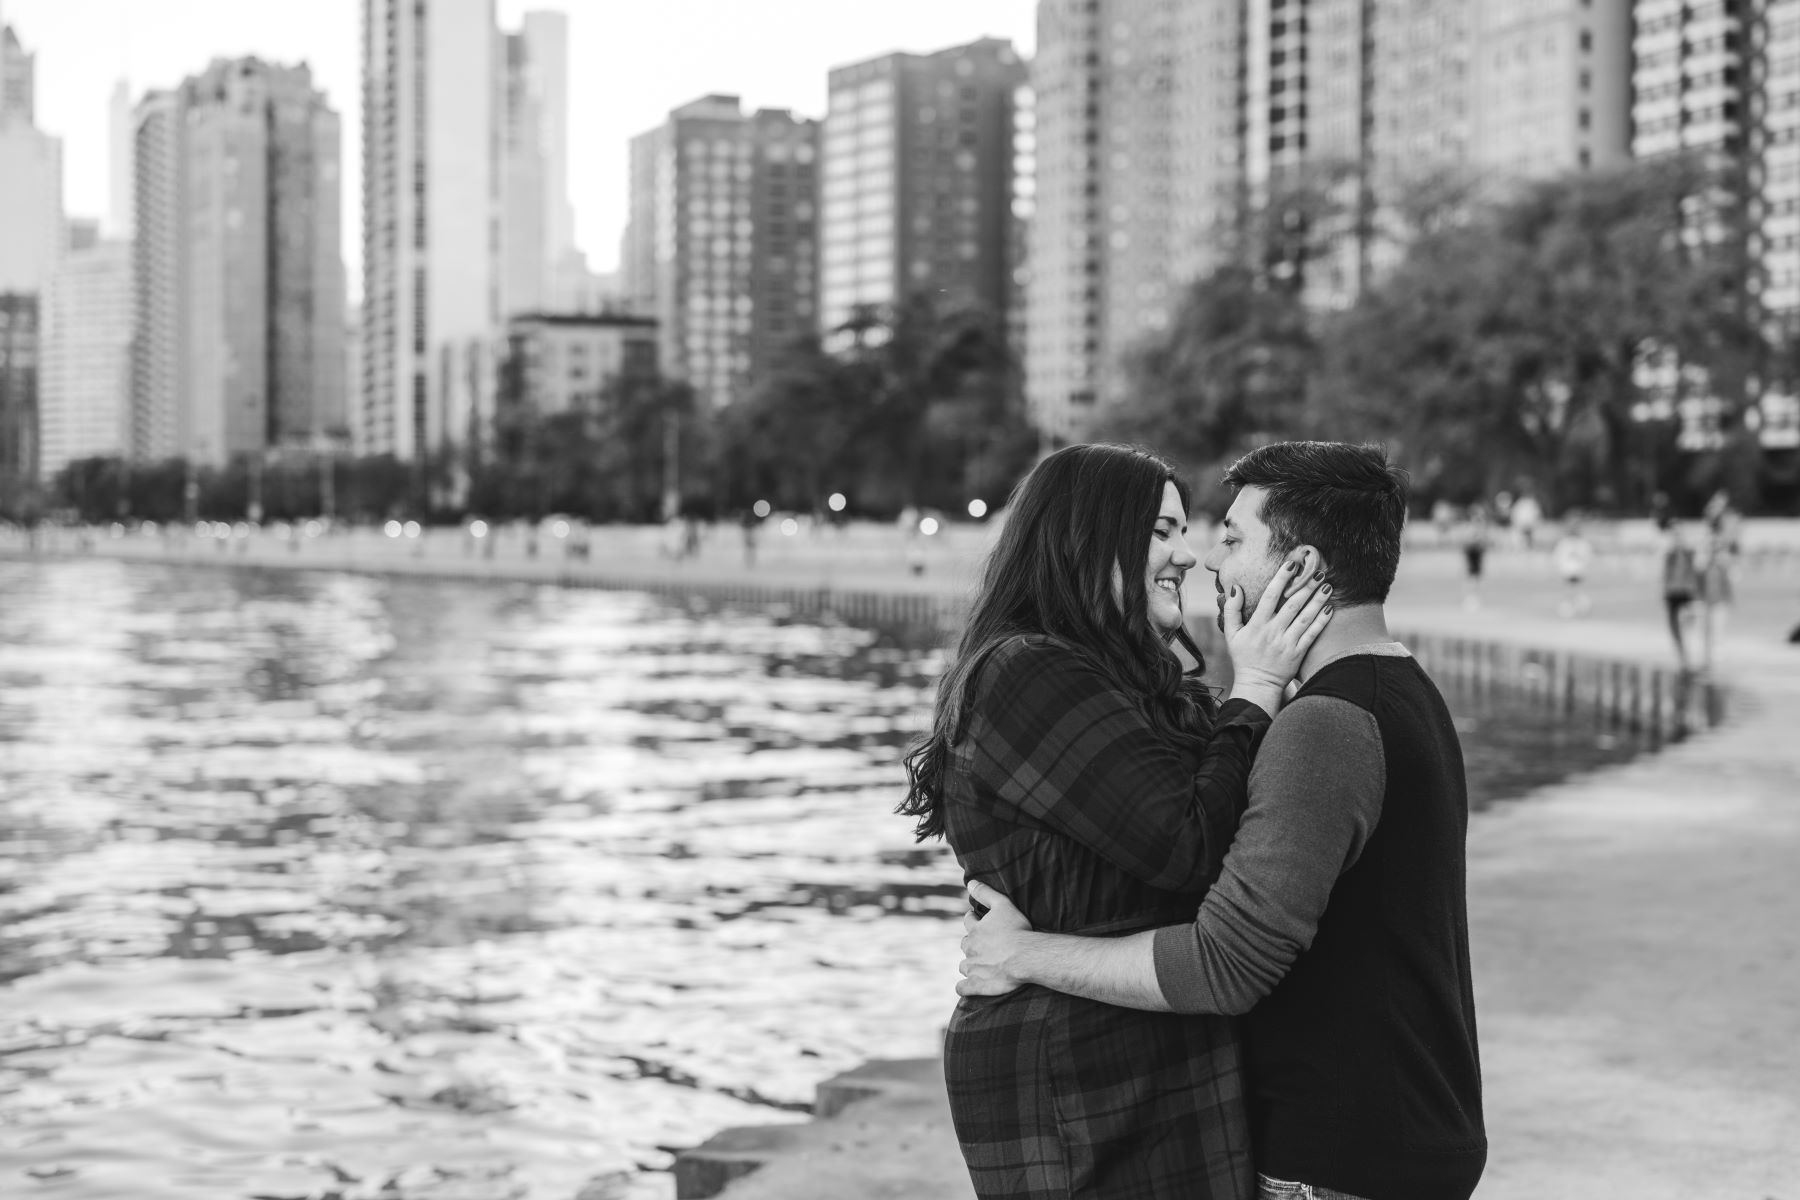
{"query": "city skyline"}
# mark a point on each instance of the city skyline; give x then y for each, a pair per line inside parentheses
(618, 85)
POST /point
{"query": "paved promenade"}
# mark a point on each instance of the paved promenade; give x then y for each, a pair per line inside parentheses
(1636, 931)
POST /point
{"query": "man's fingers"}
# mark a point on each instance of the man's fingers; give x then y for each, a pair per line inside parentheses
(970, 921)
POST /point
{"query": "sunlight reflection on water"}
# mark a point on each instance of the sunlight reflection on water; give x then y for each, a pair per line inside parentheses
(328, 885)
(335, 886)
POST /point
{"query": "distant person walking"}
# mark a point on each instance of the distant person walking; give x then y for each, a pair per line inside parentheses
(1718, 560)
(1572, 554)
(1475, 534)
(1527, 513)
(1680, 585)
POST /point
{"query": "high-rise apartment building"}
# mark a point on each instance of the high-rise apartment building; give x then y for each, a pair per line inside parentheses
(18, 82)
(85, 382)
(723, 240)
(21, 349)
(1162, 124)
(541, 268)
(1553, 87)
(31, 248)
(917, 184)
(31, 196)
(1721, 79)
(119, 209)
(159, 277)
(1139, 150)
(525, 257)
(546, 36)
(238, 275)
(432, 229)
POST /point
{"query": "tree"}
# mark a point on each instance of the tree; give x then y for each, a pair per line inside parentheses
(1232, 369)
(1511, 342)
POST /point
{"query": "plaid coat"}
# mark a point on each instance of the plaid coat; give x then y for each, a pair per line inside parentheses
(1062, 795)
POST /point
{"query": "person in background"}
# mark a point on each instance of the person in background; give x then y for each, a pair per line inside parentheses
(1073, 763)
(1718, 561)
(1527, 513)
(1572, 554)
(1680, 585)
(1475, 534)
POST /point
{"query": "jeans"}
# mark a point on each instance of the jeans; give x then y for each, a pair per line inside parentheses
(1281, 1189)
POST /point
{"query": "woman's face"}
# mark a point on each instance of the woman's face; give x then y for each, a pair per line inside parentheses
(1168, 563)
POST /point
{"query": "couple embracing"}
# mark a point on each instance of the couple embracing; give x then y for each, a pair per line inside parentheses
(1223, 950)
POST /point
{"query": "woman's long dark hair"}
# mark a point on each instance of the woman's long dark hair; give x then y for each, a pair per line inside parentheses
(1082, 510)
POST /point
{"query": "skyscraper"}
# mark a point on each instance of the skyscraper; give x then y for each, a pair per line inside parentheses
(85, 383)
(119, 215)
(525, 257)
(541, 269)
(18, 82)
(546, 35)
(918, 180)
(432, 238)
(1140, 156)
(239, 289)
(31, 248)
(20, 351)
(722, 243)
(31, 196)
(1162, 123)
(1553, 88)
(1720, 79)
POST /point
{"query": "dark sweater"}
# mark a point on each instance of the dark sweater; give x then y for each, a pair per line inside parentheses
(1343, 920)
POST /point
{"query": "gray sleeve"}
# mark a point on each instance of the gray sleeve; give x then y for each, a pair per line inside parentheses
(1315, 797)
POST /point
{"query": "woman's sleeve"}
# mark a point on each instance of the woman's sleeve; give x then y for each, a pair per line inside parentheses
(1056, 744)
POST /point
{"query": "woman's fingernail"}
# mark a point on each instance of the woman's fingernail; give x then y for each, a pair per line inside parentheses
(1319, 574)
(1326, 590)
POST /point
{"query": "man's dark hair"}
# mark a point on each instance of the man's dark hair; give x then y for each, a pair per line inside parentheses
(1343, 499)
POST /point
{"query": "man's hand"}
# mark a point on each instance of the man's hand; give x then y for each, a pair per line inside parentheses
(989, 943)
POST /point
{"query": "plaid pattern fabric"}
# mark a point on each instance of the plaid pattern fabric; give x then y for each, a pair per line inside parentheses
(1063, 796)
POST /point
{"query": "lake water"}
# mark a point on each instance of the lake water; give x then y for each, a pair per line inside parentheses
(333, 886)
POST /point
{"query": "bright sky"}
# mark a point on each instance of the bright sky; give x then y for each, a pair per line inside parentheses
(629, 64)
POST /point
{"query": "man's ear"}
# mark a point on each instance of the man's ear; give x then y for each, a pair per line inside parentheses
(1308, 557)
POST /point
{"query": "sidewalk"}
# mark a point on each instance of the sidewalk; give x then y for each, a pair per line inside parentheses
(1636, 941)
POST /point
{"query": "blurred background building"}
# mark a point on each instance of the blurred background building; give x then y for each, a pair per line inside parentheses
(1073, 200)
(432, 205)
(32, 241)
(86, 377)
(722, 245)
(918, 181)
(239, 279)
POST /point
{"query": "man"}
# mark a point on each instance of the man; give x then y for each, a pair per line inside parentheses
(1339, 920)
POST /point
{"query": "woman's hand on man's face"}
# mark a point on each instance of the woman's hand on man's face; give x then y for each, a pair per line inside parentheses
(1268, 644)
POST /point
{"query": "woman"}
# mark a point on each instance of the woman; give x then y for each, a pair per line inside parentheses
(1073, 765)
